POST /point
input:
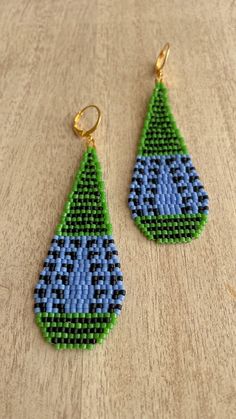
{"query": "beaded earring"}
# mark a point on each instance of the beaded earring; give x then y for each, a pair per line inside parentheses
(167, 200)
(80, 290)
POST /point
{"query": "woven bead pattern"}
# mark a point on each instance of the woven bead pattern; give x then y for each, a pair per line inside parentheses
(172, 228)
(80, 290)
(167, 199)
(160, 134)
(75, 330)
(86, 211)
(166, 185)
(80, 275)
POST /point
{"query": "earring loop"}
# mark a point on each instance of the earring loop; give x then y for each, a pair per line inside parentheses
(161, 60)
(79, 131)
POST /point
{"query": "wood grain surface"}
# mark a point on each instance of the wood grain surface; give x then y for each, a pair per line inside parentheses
(172, 354)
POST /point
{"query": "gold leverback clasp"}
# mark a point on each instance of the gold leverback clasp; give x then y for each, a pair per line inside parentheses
(161, 60)
(80, 132)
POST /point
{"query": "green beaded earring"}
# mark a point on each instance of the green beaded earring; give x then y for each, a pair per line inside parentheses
(80, 291)
(167, 200)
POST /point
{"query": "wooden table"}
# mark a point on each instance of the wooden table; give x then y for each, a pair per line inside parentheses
(172, 354)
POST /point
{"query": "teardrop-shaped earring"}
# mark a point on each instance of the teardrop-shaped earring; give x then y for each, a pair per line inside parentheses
(80, 290)
(167, 200)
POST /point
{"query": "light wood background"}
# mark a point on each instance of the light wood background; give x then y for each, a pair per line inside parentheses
(172, 354)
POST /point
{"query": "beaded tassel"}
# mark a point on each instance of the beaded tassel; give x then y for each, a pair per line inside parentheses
(167, 200)
(80, 290)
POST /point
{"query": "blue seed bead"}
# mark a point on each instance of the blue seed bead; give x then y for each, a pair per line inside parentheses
(74, 291)
(175, 176)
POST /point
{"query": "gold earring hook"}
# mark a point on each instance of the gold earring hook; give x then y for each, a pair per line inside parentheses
(161, 60)
(80, 132)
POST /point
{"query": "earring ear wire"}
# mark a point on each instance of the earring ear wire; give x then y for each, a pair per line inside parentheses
(161, 61)
(87, 134)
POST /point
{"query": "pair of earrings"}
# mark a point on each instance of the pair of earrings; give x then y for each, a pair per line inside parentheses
(80, 291)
